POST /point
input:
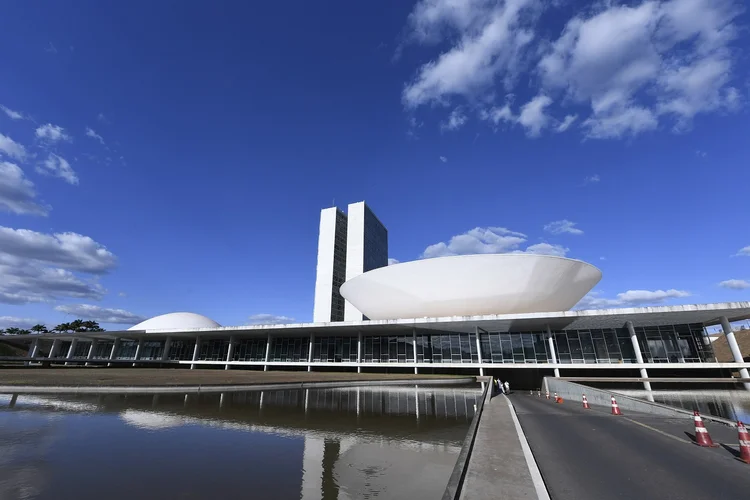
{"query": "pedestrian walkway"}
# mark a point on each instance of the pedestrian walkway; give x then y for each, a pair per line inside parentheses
(497, 466)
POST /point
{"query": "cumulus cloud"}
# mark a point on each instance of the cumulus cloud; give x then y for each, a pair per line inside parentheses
(562, 226)
(12, 321)
(11, 148)
(477, 240)
(456, 120)
(13, 115)
(17, 193)
(546, 249)
(743, 252)
(443, 159)
(735, 284)
(625, 68)
(269, 319)
(59, 167)
(24, 259)
(52, 133)
(392, 261)
(91, 133)
(69, 250)
(632, 298)
(100, 314)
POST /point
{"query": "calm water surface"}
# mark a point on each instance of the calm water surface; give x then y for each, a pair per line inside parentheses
(733, 405)
(344, 443)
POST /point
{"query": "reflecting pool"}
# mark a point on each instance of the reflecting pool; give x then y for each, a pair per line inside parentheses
(339, 443)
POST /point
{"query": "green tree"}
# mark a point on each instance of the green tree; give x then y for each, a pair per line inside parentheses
(92, 326)
(77, 325)
(39, 329)
(62, 328)
(13, 331)
(24, 332)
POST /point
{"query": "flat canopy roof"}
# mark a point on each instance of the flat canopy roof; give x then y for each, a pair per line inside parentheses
(705, 314)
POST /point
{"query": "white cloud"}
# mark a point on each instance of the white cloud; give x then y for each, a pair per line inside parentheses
(90, 133)
(456, 120)
(100, 314)
(631, 298)
(269, 319)
(476, 241)
(17, 193)
(566, 123)
(122, 294)
(626, 68)
(12, 321)
(25, 253)
(546, 249)
(102, 118)
(591, 179)
(12, 148)
(392, 261)
(743, 252)
(735, 284)
(13, 115)
(562, 226)
(489, 41)
(533, 116)
(70, 250)
(52, 133)
(59, 167)
(443, 159)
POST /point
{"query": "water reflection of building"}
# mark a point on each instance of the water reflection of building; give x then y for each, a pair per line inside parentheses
(348, 433)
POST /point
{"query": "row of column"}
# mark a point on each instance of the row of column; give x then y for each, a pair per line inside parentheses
(57, 343)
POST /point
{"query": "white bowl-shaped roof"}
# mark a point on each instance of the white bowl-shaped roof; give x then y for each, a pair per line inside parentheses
(471, 285)
(176, 321)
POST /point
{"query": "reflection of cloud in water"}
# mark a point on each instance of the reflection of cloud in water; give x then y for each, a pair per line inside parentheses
(151, 420)
(23, 450)
(370, 470)
(47, 401)
(729, 404)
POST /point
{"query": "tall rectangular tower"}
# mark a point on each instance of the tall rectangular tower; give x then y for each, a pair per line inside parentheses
(348, 245)
(331, 270)
(366, 247)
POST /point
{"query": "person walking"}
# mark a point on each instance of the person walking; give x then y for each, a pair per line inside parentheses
(507, 387)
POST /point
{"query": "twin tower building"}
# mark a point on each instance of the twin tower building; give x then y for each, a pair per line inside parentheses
(349, 244)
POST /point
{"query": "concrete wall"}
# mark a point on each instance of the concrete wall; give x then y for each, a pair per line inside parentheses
(324, 274)
(573, 392)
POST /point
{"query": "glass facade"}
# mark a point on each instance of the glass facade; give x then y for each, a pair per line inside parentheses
(295, 349)
(376, 242)
(391, 349)
(339, 267)
(250, 350)
(181, 350)
(447, 348)
(335, 349)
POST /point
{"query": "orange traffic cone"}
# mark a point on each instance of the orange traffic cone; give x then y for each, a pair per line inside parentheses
(585, 403)
(615, 408)
(702, 437)
(556, 397)
(744, 442)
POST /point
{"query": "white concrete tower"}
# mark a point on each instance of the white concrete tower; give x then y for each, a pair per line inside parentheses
(331, 270)
(366, 248)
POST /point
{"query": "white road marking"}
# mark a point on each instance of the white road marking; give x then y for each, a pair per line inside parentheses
(536, 475)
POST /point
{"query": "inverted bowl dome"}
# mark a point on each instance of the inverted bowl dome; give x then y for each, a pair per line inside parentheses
(176, 321)
(471, 285)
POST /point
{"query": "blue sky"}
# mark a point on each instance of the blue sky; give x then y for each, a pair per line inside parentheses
(174, 156)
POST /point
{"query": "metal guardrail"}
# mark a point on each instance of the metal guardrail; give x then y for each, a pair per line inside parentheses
(456, 481)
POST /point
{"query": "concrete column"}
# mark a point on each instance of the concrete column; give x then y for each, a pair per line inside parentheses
(638, 354)
(55, 348)
(309, 352)
(414, 347)
(230, 352)
(268, 352)
(196, 351)
(92, 350)
(359, 352)
(138, 349)
(479, 352)
(551, 346)
(113, 352)
(71, 350)
(736, 353)
(165, 351)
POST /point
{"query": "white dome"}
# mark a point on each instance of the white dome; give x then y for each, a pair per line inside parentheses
(176, 321)
(471, 285)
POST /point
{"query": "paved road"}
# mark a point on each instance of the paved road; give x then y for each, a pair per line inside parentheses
(592, 455)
